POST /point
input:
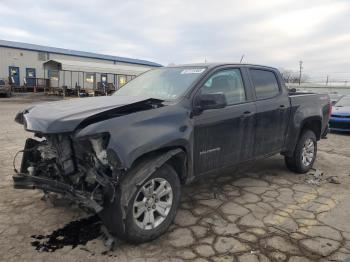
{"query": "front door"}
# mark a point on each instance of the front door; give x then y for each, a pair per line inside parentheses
(224, 137)
(272, 115)
(31, 77)
(14, 75)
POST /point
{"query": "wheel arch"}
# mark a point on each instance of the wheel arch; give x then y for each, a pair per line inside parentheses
(312, 123)
(175, 156)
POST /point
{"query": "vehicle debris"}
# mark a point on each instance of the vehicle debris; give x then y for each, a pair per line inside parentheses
(316, 177)
(333, 180)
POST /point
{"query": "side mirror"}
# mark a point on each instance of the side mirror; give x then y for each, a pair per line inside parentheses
(211, 101)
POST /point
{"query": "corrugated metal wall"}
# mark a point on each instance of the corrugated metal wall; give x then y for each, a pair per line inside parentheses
(31, 59)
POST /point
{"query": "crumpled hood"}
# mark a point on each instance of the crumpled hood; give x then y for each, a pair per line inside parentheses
(341, 110)
(65, 116)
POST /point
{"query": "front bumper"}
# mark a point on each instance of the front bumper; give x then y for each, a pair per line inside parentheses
(24, 181)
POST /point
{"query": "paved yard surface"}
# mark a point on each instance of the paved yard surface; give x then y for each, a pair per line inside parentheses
(260, 213)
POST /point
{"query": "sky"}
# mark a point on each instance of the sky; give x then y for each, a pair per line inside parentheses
(277, 33)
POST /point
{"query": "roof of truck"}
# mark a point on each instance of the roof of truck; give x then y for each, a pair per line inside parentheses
(212, 65)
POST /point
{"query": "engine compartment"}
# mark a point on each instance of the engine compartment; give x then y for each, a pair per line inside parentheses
(81, 169)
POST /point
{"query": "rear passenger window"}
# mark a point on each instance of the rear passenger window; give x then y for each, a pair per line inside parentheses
(265, 83)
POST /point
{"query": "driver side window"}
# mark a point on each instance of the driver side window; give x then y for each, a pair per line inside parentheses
(228, 82)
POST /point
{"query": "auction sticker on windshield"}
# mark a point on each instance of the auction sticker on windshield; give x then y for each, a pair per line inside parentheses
(192, 71)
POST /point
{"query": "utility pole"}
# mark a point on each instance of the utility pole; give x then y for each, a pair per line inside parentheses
(327, 80)
(241, 59)
(300, 70)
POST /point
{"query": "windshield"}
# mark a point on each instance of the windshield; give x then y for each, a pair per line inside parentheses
(345, 101)
(168, 83)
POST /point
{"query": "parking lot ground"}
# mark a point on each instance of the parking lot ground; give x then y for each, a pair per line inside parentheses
(260, 212)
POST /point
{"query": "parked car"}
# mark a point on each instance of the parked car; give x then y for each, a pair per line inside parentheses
(4, 88)
(340, 117)
(126, 156)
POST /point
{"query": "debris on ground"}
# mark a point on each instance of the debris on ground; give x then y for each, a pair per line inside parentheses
(333, 180)
(316, 177)
(110, 241)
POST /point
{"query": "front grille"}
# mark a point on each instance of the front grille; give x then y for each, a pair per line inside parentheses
(340, 125)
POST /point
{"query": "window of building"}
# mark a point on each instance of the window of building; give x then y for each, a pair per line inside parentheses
(30, 72)
(265, 83)
(228, 82)
(14, 71)
(121, 80)
(128, 78)
(89, 77)
(42, 56)
(53, 75)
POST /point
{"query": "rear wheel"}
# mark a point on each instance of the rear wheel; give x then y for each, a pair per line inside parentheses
(305, 153)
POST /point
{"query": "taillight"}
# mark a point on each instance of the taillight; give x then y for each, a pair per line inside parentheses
(330, 110)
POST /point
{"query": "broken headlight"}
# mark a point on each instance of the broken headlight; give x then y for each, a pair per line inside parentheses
(98, 145)
(95, 146)
(95, 156)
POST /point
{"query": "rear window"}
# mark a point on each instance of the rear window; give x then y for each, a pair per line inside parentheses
(265, 83)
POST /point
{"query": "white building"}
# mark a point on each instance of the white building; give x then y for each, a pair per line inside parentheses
(38, 66)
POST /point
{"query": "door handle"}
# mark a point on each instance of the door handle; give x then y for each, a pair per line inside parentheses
(246, 114)
(282, 106)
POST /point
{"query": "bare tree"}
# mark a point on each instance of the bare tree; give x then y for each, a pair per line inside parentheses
(290, 76)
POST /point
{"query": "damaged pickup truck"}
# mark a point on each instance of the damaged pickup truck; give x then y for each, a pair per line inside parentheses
(126, 156)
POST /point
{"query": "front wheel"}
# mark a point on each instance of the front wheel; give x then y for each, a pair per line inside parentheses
(151, 208)
(305, 153)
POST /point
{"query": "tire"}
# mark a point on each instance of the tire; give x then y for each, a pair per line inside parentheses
(298, 163)
(129, 228)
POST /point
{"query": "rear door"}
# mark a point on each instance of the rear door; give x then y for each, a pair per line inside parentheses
(272, 105)
(223, 137)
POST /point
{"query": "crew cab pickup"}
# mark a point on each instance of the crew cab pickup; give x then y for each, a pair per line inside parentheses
(126, 156)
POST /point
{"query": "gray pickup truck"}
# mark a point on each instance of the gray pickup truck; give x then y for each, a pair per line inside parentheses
(126, 156)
